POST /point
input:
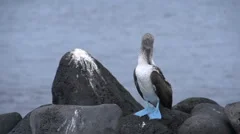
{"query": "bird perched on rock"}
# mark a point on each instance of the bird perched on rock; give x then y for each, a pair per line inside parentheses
(150, 81)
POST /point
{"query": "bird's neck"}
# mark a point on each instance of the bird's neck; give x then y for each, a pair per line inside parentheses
(145, 57)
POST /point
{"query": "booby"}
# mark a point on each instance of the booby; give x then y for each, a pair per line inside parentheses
(150, 81)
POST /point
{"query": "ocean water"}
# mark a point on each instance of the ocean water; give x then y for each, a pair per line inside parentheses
(197, 45)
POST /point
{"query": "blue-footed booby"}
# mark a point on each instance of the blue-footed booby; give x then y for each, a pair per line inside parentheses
(150, 81)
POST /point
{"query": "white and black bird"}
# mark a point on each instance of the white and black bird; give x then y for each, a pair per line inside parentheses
(150, 81)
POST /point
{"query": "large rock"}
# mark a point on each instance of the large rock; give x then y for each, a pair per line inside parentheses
(82, 80)
(188, 104)
(204, 124)
(70, 119)
(233, 113)
(73, 119)
(213, 110)
(8, 121)
(170, 123)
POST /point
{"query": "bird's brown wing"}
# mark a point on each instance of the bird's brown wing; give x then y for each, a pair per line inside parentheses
(162, 88)
(162, 76)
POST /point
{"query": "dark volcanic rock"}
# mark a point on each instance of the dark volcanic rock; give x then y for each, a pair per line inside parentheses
(233, 113)
(69, 118)
(204, 124)
(23, 127)
(170, 123)
(173, 118)
(188, 104)
(131, 124)
(73, 119)
(82, 80)
(8, 121)
(212, 110)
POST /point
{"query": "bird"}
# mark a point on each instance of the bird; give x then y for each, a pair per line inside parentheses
(150, 82)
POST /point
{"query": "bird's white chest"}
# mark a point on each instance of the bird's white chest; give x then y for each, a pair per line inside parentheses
(143, 74)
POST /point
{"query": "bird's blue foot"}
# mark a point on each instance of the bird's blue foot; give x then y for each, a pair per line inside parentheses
(155, 114)
(145, 111)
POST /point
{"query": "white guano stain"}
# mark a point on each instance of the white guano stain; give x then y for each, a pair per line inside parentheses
(72, 125)
(216, 110)
(143, 124)
(62, 125)
(81, 57)
(76, 113)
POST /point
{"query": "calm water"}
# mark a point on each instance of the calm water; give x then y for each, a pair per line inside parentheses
(197, 45)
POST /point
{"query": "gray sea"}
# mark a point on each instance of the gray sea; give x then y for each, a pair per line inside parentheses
(197, 45)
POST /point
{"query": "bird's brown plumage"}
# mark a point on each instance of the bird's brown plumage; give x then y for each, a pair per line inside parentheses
(162, 88)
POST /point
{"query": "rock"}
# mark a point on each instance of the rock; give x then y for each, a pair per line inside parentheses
(131, 124)
(188, 104)
(173, 118)
(22, 127)
(233, 113)
(204, 124)
(48, 118)
(73, 119)
(170, 123)
(213, 110)
(8, 121)
(82, 80)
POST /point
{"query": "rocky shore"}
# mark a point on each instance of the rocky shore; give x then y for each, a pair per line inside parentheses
(88, 99)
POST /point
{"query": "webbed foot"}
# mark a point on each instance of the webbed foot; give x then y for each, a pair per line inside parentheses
(155, 113)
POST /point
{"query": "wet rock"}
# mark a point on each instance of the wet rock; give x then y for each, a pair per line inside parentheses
(212, 110)
(73, 119)
(188, 104)
(170, 123)
(131, 124)
(23, 127)
(204, 124)
(82, 80)
(8, 121)
(233, 113)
